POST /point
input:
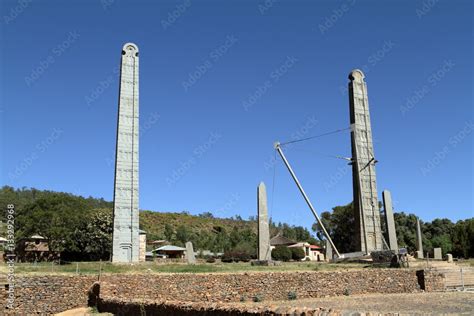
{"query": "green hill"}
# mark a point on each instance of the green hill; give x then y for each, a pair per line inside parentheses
(81, 227)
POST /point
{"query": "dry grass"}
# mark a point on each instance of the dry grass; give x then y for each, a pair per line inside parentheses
(93, 268)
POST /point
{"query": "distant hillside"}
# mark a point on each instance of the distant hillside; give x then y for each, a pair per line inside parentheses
(154, 223)
(73, 223)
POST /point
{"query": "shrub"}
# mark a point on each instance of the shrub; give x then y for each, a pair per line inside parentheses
(211, 260)
(292, 296)
(281, 253)
(257, 298)
(236, 256)
(297, 254)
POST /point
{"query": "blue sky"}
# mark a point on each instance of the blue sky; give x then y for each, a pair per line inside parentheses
(220, 81)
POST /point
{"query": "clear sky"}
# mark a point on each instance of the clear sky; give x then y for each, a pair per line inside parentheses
(220, 81)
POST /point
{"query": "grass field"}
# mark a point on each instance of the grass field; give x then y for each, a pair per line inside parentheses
(93, 268)
(150, 267)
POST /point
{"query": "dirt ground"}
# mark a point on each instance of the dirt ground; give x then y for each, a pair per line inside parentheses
(446, 303)
(454, 303)
(82, 311)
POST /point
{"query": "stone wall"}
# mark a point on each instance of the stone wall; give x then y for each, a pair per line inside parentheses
(47, 294)
(431, 280)
(268, 286)
(52, 294)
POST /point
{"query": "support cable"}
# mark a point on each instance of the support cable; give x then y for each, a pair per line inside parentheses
(316, 136)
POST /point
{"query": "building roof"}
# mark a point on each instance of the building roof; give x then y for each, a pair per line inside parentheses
(3, 239)
(37, 237)
(161, 241)
(299, 244)
(281, 241)
(170, 248)
(315, 247)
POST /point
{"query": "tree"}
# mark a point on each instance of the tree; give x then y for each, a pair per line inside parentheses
(206, 215)
(297, 254)
(182, 234)
(281, 253)
(168, 232)
(54, 217)
(94, 235)
(340, 225)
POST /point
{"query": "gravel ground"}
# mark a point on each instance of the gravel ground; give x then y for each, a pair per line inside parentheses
(454, 303)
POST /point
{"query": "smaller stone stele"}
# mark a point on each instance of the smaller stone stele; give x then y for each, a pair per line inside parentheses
(438, 254)
(449, 257)
(329, 255)
(191, 258)
(264, 252)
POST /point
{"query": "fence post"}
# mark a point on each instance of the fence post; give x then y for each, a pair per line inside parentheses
(100, 269)
(77, 267)
(52, 266)
(462, 279)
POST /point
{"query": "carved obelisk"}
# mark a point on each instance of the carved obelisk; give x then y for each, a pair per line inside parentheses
(366, 212)
(264, 252)
(126, 232)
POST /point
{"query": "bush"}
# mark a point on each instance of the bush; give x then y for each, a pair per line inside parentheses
(297, 254)
(211, 260)
(257, 298)
(281, 253)
(292, 296)
(236, 256)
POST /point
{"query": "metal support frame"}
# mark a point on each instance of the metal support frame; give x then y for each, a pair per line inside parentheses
(298, 184)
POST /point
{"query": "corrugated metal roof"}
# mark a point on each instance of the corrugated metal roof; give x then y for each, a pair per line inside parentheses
(170, 248)
(280, 240)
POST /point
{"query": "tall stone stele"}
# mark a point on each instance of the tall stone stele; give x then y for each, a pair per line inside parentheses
(390, 220)
(419, 240)
(126, 233)
(264, 251)
(366, 212)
